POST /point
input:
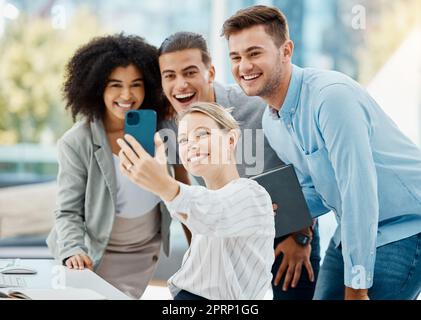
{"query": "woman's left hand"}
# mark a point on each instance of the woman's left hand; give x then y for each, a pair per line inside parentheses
(148, 172)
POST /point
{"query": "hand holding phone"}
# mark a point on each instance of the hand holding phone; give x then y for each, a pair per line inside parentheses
(141, 124)
(150, 173)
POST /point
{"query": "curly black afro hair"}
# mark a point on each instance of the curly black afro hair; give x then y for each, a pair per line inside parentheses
(88, 70)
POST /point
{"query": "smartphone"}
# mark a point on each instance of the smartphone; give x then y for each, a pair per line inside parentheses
(141, 124)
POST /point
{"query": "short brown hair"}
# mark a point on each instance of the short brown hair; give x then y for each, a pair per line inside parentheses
(186, 40)
(274, 21)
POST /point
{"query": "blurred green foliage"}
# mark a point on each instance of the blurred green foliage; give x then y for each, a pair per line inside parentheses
(33, 56)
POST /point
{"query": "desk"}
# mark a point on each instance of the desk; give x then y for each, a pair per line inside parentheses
(51, 273)
(87, 279)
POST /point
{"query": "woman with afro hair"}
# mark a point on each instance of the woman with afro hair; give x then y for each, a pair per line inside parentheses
(103, 221)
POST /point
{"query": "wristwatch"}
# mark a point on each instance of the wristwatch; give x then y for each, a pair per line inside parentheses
(301, 238)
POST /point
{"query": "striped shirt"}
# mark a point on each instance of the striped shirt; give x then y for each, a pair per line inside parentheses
(231, 252)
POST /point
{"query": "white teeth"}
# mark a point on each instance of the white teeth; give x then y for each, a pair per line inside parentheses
(198, 158)
(124, 105)
(184, 96)
(251, 76)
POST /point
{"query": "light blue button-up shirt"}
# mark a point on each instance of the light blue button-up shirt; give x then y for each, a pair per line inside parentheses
(350, 158)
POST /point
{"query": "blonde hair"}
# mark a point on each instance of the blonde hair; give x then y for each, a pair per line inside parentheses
(222, 116)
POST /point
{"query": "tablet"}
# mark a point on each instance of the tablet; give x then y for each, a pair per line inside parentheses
(284, 188)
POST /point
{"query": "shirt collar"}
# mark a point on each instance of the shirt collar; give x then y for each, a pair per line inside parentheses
(290, 104)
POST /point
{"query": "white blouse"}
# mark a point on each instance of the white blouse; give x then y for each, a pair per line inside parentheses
(231, 252)
(132, 200)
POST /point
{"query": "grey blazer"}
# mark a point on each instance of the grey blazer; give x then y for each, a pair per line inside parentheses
(86, 195)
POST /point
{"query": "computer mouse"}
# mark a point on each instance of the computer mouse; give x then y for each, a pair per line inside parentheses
(17, 270)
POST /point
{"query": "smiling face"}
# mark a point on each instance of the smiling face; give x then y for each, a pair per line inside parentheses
(124, 91)
(185, 78)
(257, 64)
(204, 147)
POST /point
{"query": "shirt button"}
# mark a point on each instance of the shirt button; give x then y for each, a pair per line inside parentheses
(289, 126)
(292, 110)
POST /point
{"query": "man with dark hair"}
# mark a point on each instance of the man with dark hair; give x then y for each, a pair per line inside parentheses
(188, 76)
(349, 156)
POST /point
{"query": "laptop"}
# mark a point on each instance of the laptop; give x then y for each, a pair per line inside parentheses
(284, 188)
(10, 281)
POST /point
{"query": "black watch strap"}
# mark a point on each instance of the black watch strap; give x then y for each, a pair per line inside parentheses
(302, 239)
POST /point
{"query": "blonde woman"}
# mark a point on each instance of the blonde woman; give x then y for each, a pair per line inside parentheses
(231, 220)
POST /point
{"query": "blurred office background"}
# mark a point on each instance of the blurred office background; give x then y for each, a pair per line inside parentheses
(376, 42)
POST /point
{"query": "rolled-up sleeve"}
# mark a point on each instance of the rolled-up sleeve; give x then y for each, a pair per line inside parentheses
(345, 126)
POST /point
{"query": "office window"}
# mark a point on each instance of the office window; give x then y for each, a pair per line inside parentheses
(374, 41)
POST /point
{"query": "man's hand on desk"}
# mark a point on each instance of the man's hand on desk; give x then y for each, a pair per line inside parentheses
(79, 261)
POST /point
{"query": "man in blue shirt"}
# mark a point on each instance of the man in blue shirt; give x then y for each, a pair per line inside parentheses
(349, 156)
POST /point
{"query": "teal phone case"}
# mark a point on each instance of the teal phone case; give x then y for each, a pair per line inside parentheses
(141, 124)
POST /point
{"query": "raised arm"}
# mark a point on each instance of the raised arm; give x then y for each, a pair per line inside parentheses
(243, 209)
(180, 174)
